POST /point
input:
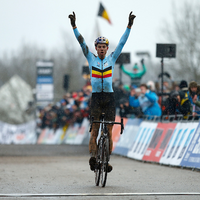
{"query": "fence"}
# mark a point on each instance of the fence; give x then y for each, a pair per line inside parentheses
(170, 142)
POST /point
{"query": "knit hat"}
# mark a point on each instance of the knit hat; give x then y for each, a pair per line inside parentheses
(192, 84)
(135, 67)
(183, 84)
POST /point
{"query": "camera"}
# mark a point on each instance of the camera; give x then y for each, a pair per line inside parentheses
(193, 94)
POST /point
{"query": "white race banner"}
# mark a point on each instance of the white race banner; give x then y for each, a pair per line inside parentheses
(142, 140)
(82, 131)
(173, 142)
(18, 134)
(183, 143)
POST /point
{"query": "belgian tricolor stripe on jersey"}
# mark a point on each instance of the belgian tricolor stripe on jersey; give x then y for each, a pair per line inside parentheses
(97, 73)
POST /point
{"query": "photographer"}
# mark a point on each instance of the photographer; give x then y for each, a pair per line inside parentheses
(177, 103)
(148, 101)
(124, 108)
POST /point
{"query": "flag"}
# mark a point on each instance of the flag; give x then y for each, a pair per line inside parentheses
(103, 13)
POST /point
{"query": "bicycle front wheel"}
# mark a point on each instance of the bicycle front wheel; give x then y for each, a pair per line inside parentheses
(105, 159)
(97, 170)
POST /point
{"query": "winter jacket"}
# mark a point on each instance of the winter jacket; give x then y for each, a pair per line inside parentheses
(148, 103)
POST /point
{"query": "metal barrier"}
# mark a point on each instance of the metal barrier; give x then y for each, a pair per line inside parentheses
(172, 118)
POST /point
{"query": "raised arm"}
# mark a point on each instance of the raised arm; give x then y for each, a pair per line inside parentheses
(129, 73)
(144, 68)
(79, 37)
(124, 37)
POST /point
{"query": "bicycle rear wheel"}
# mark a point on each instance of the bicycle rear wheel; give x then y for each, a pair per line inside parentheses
(105, 159)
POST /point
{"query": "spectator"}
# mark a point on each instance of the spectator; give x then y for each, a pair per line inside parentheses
(183, 86)
(184, 106)
(151, 86)
(172, 103)
(119, 93)
(134, 94)
(136, 74)
(194, 97)
(124, 109)
(176, 87)
(176, 104)
(148, 102)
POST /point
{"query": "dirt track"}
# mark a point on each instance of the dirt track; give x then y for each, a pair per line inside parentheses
(64, 169)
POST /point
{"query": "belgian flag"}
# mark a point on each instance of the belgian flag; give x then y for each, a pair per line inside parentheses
(103, 13)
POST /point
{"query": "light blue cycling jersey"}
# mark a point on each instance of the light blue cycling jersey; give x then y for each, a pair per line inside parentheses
(101, 71)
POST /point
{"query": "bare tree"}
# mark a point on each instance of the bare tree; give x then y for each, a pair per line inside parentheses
(184, 31)
(67, 59)
(21, 62)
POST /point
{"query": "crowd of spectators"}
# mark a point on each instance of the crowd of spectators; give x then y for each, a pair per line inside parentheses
(177, 99)
(131, 101)
(72, 108)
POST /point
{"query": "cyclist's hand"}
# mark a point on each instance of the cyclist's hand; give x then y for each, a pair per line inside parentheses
(73, 19)
(142, 61)
(131, 18)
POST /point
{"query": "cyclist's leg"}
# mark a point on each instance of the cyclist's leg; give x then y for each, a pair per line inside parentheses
(95, 109)
(93, 138)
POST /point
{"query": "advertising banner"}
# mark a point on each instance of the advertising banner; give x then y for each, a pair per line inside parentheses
(165, 159)
(60, 134)
(159, 142)
(18, 134)
(42, 135)
(183, 143)
(116, 130)
(49, 138)
(192, 156)
(46, 136)
(82, 131)
(126, 140)
(44, 82)
(57, 136)
(71, 134)
(142, 140)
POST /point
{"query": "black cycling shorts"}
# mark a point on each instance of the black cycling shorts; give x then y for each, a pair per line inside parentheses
(103, 102)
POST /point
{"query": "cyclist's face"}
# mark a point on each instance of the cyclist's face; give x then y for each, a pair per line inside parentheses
(101, 50)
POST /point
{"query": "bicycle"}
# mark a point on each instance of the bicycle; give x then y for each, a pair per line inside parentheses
(103, 156)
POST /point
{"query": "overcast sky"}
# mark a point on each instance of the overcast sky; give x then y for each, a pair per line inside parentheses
(42, 22)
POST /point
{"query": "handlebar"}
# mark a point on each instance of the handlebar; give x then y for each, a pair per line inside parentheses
(107, 122)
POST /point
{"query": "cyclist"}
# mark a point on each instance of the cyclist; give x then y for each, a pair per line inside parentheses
(101, 72)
